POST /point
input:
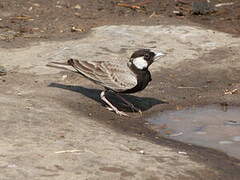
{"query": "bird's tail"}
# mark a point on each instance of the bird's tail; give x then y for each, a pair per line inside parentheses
(64, 66)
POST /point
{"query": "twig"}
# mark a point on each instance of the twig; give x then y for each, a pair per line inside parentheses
(144, 2)
(68, 151)
(190, 87)
(24, 17)
(136, 6)
(129, 6)
(224, 4)
(74, 29)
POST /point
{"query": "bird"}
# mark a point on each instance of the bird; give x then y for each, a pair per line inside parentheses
(116, 77)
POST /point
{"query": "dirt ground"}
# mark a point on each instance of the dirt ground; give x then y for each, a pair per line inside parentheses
(29, 21)
(23, 21)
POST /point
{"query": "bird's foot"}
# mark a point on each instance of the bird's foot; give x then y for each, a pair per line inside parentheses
(134, 109)
(140, 112)
(110, 109)
(127, 103)
(121, 113)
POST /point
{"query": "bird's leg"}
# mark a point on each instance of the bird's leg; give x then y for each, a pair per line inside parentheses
(129, 104)
(102, 96)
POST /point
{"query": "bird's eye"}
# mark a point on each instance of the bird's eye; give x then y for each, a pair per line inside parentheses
(146, 56)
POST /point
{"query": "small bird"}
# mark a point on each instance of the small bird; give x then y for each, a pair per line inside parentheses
(119, 78)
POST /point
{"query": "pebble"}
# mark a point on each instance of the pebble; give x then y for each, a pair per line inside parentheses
(19, 94)
(182, 152)
(202, 7)
(176, 134)
(201, 132)
(64, 77)
(225, 142)
(178, 13)
(77, 6)
(224, 4)
(236, 138)
(12, 166)
(3, 71)
(232, 122)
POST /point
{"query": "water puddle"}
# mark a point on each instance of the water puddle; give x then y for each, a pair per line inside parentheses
(211, 126)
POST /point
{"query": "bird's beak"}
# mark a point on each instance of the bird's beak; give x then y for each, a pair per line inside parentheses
(158, 55)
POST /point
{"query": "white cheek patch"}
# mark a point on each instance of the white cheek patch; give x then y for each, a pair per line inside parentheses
(140, 63)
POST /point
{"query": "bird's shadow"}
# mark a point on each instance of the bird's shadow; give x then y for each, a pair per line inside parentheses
(142, 103)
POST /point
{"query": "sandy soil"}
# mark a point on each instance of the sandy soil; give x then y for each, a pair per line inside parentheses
(25, 21)
(43, 115)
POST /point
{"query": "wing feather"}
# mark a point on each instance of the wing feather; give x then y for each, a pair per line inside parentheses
(113, 76)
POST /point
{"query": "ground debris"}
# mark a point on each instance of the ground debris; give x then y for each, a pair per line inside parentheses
(236, 138)
(182, 152)
(178, 13)
(62, 4)
(224, 4)
(129, 6)
(8, 35)
(77, 6)
(202, 8)
(231, 122)
(3, 71)
(225, 142)
(176, 134)
(198, 7)
(183, 2)
(68, 151)
(142, 152)
(36, 4)
(136, 5)
(64, 77)
(233, 90)
(74, 29)
(23, 17)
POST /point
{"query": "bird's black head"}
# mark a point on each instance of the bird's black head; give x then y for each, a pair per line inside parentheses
(143, 58)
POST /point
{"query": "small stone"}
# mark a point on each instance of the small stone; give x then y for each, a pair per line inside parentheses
(232, 122)
(3, 71)
(36, 4)
(77, 6)
(202, 8)
(182, 152)
(74, 29)
(12, 166)
(141, 152)
(176, 134)
(178, 13)
(201, 132)
(64, 77)
(224, 4)
(236, 138)
(62, 4)
(225, 142)
(77, 14)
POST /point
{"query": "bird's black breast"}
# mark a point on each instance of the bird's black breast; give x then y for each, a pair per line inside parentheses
(143, 78)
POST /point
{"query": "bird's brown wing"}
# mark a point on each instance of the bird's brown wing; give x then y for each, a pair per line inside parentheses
(117, 77)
